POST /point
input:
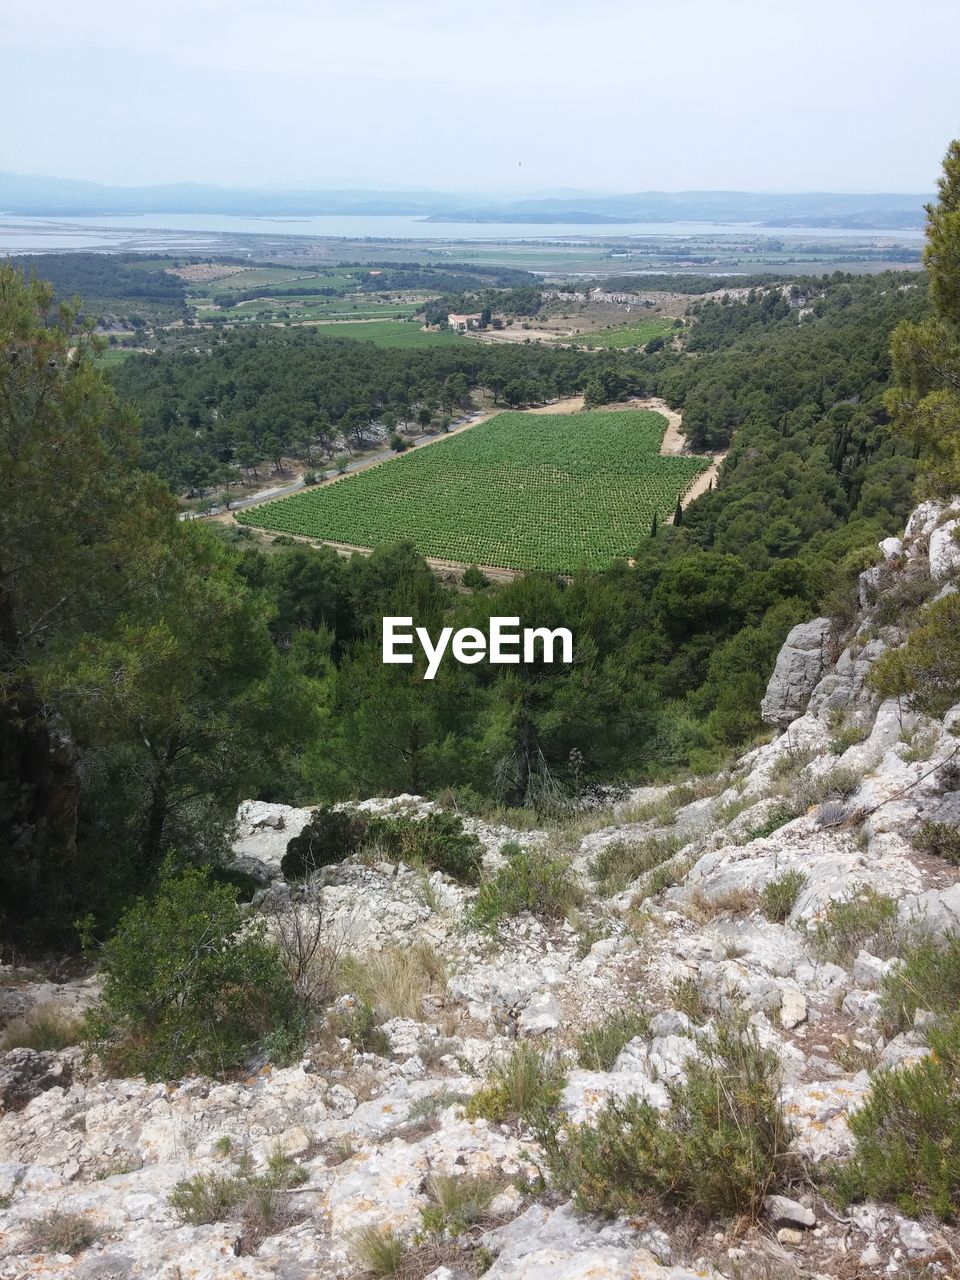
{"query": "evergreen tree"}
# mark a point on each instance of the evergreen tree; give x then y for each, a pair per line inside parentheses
(926, 354)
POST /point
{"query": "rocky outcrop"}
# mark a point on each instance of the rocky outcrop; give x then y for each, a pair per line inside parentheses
(799, 667)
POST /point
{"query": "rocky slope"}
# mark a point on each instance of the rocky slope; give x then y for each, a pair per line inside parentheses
(370, 1129)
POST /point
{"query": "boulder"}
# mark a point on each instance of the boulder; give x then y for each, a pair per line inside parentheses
(799, 667)
(26, 1073)
(784, 1212)
(944, 551)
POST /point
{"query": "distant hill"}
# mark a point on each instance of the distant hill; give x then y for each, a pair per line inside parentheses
(33, 195)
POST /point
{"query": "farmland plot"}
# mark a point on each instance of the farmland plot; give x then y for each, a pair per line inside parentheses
(522, 491)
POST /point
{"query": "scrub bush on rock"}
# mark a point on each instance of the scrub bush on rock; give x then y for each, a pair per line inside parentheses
(189, 987)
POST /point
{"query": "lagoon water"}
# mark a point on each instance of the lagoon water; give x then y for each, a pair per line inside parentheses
(20, 234)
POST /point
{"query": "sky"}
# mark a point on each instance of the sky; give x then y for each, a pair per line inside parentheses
(483, 95)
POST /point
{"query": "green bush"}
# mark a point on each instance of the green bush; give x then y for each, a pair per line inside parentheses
(188, 986)
(458, 1200)
(942, 839)
(379, 1251)
(363, 1027)
(475, 578)
(926, 670)
(437, 842)
(599, 1047)
(61, 1232)
(524, 1087)
(330, 836)
(620, 863)
(869, 920)
(779, 896)
(775, 819)
(847, 736)
(531, 881)
(928, 977)
(908, 1134)
(214, 1197)
(720, 1149)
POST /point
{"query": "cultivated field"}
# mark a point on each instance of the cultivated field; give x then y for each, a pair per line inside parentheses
(631, 335)
(392, 333)
(522, 491)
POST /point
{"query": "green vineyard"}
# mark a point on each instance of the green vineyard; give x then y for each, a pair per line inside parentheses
(522, 491)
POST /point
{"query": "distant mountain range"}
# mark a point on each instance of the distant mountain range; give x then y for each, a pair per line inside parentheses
(32, 195)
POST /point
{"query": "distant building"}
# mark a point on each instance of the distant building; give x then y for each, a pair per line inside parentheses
(462, 323)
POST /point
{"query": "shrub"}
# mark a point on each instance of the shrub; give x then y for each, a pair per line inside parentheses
(838, 784)
(310, 477)
(379, 1251)
(908, 1134)
(720, 1149)
(44, 1027)
(928, 977)
(457, 1201)
(532, 880)
(869, 920)
(395, 982)
(779, 896)
(942, 839)
(362, 1026)
(790, 762)
(437, 842)
(330, 836)
(189, 987)
(60, 1232)
(475, 579)
(847, 736)
(599, 1047)
(619, 864)
(213, 1197)
(687, 997)
(775, 819)
(926, 670)
(523, 1087)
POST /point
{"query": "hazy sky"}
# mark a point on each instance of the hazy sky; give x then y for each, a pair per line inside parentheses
(619, 95)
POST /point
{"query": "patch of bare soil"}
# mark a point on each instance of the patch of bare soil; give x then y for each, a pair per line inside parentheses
(200, 272)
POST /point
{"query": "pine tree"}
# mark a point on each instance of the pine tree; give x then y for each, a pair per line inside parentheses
(925, 400)
(678, 515)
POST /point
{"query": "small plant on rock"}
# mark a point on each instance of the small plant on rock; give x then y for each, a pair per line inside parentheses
(942, 839)
(396, 981)
(378, 1251)
(720, 1149)
(44, 1027)
(457, 1201)
(778, 817)
(60, 1232)
(780, 895)
(363, 1027)
(869, 920)
(927, 977)
(599, 1047)
(532, 880)
(620, 863)
(523, 1087)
